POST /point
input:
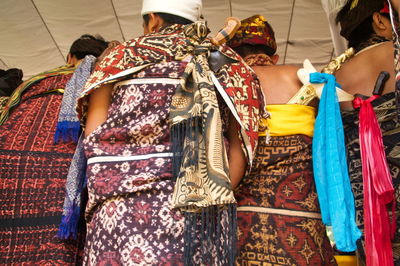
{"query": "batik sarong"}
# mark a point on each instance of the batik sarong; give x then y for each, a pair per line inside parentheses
(278, 211)
(32, 177)
(385, 109)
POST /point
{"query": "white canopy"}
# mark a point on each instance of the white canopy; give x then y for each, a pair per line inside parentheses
(36, 34)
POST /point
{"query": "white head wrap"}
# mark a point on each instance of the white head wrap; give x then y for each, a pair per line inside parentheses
(189, 9)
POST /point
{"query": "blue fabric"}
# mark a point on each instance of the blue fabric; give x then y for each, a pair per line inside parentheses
(69, 224)
(76, 183)
(68, 126)
(67, 131)
(330, 167)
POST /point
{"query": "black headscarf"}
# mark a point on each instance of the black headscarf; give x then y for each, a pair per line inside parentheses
(355, 12)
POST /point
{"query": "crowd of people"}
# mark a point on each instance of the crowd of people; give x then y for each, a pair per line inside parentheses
(179, 148)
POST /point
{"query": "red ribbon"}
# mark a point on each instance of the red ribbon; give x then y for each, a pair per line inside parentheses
(378, 187)
(385, 9)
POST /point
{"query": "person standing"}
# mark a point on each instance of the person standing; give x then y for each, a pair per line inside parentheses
(366, 25)
(33, 169)
(157, 112)
(278, 212)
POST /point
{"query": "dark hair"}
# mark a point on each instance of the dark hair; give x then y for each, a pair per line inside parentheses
(88, 45)
(248, 49)
(168, 19)
(357, 23)
(9, 80)
(361, 33)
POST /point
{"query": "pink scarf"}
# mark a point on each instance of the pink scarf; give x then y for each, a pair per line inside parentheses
(378, 188)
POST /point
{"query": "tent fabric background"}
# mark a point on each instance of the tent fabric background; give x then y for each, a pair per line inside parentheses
(36, 34)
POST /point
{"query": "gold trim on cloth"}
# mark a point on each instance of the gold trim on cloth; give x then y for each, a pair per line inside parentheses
(289, 119)
(304, 96)
(279, 211)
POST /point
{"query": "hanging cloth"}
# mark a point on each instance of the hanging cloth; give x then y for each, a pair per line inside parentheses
(202, 188)
(68, 125)
(75, 185)
(330, 167)
(378, 188)
(69, 129)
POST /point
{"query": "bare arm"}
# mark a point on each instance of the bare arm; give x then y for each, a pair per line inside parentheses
(236, 156)
(99, 102)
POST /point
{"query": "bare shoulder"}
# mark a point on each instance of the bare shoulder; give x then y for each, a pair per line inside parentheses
(376, 53)
(279, 82)
(278, 71)
(358, 75)
(288, 67)
(286, 74)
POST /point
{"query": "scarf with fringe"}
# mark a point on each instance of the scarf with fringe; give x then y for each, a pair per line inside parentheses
(68, 126)
(202, 189)
(76, 183)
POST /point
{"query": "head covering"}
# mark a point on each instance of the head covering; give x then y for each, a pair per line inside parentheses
(355, 12)
(189, 9)
(255, 30)
(385, 9)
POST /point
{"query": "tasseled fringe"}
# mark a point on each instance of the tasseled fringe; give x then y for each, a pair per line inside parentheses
(185, 144)
(67, 131)
(69, 223)
(210, 236)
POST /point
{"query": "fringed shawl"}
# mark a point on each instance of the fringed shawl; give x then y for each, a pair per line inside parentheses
(68, 126)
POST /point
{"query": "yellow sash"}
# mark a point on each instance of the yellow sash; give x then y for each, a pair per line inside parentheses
(289, 119)
(346, 260)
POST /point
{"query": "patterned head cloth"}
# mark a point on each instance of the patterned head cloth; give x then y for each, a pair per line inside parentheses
(355, 12)
(255, 30)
